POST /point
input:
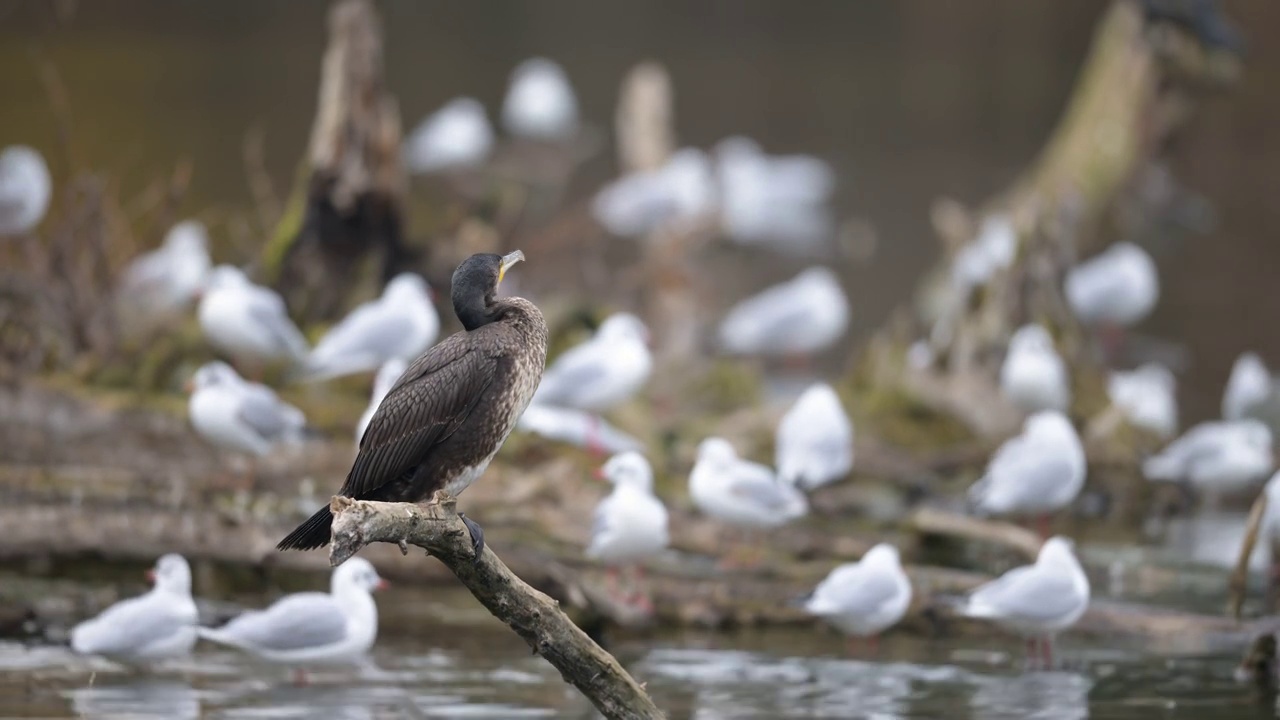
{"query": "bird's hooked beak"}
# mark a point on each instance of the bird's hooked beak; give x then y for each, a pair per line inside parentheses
(382, 584)
(151, 576)
(508, 260)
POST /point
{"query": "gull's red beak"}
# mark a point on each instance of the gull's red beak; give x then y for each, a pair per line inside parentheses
(598, 474)
(382, 584)
(189, 387)
(151, 575)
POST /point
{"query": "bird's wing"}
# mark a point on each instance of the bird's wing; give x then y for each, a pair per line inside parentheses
(267, 309)
(132, 624)
(1027, 593)
(854, 589)
(373, 329)
(298, 621)
(426, 406)
(757, 485)
(579, 367)
(269, 417)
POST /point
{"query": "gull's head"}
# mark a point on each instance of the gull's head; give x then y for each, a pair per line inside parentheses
(629, 468)
(1048, 423)
(357, 573)
(1031, 339)
(213, 374)
(188, 236)
(623, 327)
(1157, 375)
(407, 287)
(225, 276)
(882, 555)
(1057, 550)
(819, 394)
(172, 574)
(716, 450)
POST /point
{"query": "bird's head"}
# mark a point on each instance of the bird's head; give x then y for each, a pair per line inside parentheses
(475, 286)
(171, 573)
(357, 573)
(214, 374)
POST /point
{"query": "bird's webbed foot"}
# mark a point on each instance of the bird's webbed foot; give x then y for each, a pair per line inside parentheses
(477, 535)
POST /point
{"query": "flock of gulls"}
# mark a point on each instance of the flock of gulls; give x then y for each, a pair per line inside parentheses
(441, 409)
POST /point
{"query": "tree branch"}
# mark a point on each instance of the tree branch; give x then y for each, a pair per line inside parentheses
(436, 527)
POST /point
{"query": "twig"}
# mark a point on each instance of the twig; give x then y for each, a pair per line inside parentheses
(1239, 583)
(930, 521)
(535, 617)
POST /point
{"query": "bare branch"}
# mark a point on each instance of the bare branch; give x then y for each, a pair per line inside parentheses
(535, 617)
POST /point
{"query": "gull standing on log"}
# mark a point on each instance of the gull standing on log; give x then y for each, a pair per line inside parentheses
(1148, 398)
(540, 102)
(576, 427)
(455, 136)
(603, 372)
(401, 324)
(797, 318)
(311, 628)
(813, 445)
(1114, 290)
(1248, 386)
(1033, 376)
(865, 598)
(449, 413)
(681, 191)
(158, 625)
(1036, 601)
(778, 200)
(631, 522)
(165, 281)
(1215, 457)
(1039, 472)
(248, 322)
(25, 190)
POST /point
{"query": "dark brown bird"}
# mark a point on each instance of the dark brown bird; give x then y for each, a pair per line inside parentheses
(447, 415)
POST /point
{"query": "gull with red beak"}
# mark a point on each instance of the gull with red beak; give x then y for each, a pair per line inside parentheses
(631, 523)
(156, 626)
(311, 628)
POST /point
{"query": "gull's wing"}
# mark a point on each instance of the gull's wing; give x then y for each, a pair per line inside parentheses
(268, 311)
(304, 620)
(1029, 593)
(854, 590)
(133, 624)
(578, 367)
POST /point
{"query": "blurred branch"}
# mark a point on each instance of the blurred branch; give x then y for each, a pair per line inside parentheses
(537, 618)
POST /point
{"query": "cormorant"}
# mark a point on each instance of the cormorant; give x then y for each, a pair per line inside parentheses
(447, 415)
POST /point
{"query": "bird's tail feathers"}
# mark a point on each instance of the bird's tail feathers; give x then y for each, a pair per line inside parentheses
(313, 533)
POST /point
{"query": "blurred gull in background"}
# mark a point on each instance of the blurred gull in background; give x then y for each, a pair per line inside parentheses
(680, 191)
(576, 427)
(1033, 376)
(993, 249)
(740, 492)
(1113, 290)
(158, 625)
(1036, 601)
(234, 414)
(311, 628)
(779, 200)
(602, 372)
(865, 598)
(1038, 472)
(401, 324)
(164, 282)
(25, 189)
(1215, 457)
(796, 318)
(813, 445)
(456, 135)
(631, 522)
(1147, 396)
(1248, 387)
(540, 102)
(248, 322)
(390, 371)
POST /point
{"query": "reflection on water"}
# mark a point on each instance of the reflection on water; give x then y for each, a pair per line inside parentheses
(1039, 696)
(144, 698)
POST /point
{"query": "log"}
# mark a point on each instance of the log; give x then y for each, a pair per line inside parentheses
(931, 521)
(535, 617)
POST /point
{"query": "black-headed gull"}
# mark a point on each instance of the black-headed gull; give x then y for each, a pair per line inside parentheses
(602, 372)
(681, 191)
(1115, 289)
(234, 414)
(1215, 457)
(164, 282)
(248, 322)
(1148, 398)
(630, 524)
(813, 445)
(1033, 376)
(402, 324)
(311, 628)
(25, 189)
(799, 317)
(540, 102)
(386, 378)
(158, 625)
(1036, 601)
(865, 598)
(455, 136)
(1038, 472)
(780, 200)
(1248, 386)
(576, 427)
(739, 492)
